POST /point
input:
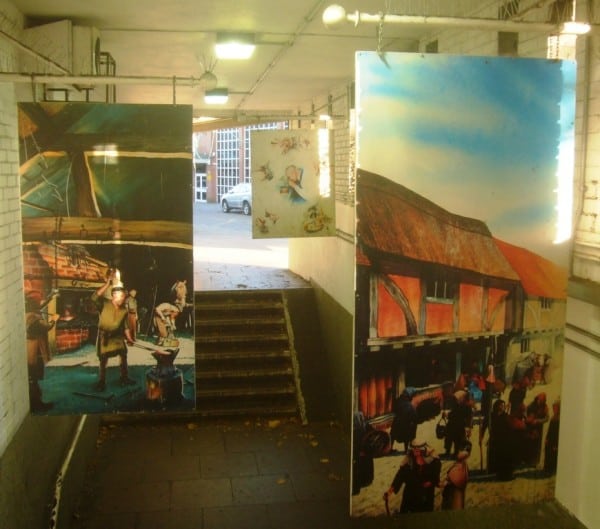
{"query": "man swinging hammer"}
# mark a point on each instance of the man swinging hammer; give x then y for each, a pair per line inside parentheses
(113, 330)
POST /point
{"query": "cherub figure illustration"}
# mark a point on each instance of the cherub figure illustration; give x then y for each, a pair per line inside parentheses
(266, 171)
(273, 217)
(292, 183)
(315, 219)
(292, 143)
(261, 224)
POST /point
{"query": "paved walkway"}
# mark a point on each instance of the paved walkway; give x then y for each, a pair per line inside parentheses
(253, 474)
(204, 475)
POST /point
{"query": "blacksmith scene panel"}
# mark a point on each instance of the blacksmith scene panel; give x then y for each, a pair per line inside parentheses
(106, 204)
(461, 280)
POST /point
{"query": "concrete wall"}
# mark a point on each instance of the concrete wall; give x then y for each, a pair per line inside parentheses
(578, 463)
(30, 465)
(319, 377)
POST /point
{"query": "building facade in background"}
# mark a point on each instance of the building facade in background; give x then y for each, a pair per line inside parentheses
(222, 159)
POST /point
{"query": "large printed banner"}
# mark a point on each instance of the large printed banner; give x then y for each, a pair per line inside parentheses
(460, 279)
(292, 192)
(106, 204)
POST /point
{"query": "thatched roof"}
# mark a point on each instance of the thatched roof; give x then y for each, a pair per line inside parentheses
(396, 221)
(539, 276)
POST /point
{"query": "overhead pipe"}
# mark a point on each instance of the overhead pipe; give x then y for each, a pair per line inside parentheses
(14, 77)
(335, 16)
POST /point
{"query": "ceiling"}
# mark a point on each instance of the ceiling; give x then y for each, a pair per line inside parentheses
(297, 58)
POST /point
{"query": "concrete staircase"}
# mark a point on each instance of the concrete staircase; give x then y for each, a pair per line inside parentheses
(245, 358)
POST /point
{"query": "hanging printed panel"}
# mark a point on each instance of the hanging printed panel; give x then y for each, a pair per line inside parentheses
(292, 194)
(106, 203)
(463, 204)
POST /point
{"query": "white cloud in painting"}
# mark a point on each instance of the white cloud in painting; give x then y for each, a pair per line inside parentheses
(478, 137)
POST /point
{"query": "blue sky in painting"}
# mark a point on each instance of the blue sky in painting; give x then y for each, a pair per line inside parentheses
(479, 136)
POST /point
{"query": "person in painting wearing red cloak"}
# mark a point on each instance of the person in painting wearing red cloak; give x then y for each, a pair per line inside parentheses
(419, 472)
(455, 483)
(536, 416)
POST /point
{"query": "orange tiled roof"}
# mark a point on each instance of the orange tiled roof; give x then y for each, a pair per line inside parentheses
(539, 276)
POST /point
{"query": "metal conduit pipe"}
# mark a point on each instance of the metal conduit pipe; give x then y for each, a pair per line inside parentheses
(299, 30)
(14, 77)
(335, 16)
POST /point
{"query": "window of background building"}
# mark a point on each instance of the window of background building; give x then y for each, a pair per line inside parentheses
(228, 159)
(201, 181)
(247, 147)
(233, 150)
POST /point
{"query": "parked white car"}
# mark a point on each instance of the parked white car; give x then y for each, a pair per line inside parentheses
(238, 197)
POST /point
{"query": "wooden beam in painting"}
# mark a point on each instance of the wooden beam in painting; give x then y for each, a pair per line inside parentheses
(93, 230)
(402, 301)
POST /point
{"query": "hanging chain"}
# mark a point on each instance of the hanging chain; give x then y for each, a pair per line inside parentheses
(380, 34)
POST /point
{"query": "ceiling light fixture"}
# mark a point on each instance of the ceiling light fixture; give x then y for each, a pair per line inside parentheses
(234, 45)
(575, 28)
(216, 96)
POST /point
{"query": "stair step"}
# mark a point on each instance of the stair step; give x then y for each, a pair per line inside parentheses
(235, 373)
(258, 408)
(242, 329)
(243, 357)
(240, 355)
(245, 391)
(218, 302)
(240, 338)
(238, 308)
(245, 321)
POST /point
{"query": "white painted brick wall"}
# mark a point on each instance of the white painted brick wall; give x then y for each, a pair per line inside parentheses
(586, 253)
(14, 399)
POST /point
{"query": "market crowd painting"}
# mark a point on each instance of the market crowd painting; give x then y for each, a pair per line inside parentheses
(292, 193)
(460, 280)
(106, 204)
